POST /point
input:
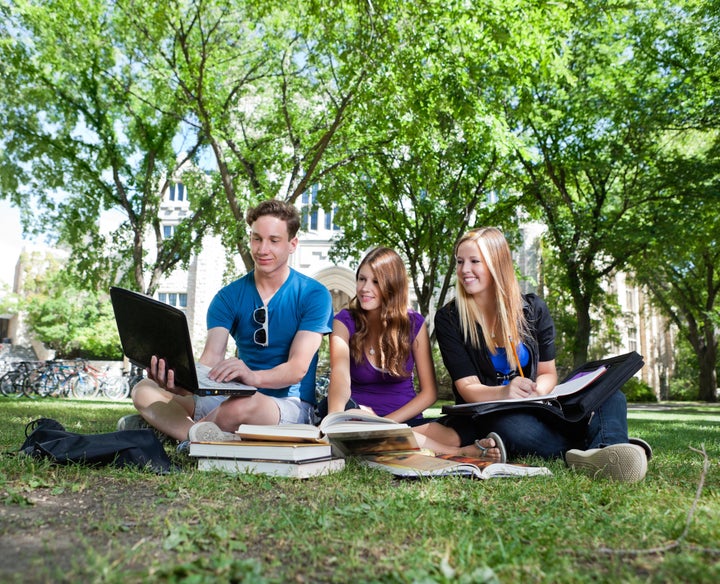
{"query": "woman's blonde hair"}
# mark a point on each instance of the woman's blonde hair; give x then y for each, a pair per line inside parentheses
(394, 339)
(511, 321)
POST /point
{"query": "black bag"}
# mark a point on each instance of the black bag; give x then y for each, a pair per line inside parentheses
(572, 408)
(47, 438)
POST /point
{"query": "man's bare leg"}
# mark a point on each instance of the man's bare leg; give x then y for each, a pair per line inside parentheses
(255, 409)
(168, 412)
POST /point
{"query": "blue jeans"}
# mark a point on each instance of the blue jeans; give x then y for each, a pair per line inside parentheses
(548, 436)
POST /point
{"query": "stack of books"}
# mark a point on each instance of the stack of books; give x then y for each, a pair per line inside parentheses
(303, 450)
(271, 457)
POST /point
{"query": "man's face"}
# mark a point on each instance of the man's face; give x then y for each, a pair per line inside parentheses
(270, 245)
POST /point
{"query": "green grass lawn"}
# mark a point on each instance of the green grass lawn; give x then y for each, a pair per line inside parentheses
(76, 524)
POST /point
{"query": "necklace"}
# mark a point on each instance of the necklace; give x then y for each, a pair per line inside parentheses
(372, 351)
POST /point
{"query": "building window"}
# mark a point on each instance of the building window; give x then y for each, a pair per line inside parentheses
(308, 211)
(632, 339)
(168, 231)
(177, 192)
(330, 220)
(630, 300)
(312, 216)
(176, 299)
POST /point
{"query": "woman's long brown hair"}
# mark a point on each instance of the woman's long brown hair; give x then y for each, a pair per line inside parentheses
(394, 336)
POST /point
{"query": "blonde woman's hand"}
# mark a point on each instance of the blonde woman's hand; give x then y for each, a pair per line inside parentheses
(521, 387)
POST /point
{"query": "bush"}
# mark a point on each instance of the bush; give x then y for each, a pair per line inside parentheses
(683, 389)
(638, 391)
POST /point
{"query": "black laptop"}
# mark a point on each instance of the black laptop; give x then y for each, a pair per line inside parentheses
(149, 327)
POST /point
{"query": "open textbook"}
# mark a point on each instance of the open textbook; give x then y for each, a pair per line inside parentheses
(573, 385)
(410, 464)
(349, 432)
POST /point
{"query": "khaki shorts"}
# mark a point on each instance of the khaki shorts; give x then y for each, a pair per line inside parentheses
(292, 409)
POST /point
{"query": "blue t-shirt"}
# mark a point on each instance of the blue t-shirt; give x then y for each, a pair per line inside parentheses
(301, 304)
(502, 366)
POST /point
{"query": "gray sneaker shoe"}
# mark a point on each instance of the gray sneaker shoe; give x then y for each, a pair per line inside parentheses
(619, 462)
(645, 446)
(132, 422)
(137, 422)
(209, 432)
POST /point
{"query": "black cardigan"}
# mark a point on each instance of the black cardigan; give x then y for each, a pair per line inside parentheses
(462, 360)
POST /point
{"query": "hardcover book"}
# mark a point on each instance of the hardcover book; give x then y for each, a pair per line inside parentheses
(349, 432)
(250, 450)
(298, 470)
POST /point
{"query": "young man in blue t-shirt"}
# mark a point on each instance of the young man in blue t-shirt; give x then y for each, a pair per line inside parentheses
(277, 318)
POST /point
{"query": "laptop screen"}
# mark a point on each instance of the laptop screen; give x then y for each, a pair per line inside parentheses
(149, 327)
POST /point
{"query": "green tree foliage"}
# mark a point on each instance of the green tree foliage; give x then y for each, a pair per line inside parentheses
(416, 120)
(265, 88)
(437, 162)
(84, 133)
(682, 269)
(681, 263)
(72, 322)
(589, 138)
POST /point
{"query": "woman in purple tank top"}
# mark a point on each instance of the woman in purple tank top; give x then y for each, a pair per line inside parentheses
(378, 344)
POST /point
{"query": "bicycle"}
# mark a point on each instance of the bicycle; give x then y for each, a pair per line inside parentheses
(13, 383)
(322, 383)
(134, 376)
(84, 384)
(113, 383)
(49, 379)
(89, 382)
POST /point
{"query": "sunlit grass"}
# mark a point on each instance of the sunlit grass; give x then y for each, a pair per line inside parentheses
(359, 525)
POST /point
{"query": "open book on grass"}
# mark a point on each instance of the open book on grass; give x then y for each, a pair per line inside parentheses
(350, 432)
(411, 465)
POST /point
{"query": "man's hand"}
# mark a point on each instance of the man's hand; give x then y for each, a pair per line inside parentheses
(233, 369)
(161, 374)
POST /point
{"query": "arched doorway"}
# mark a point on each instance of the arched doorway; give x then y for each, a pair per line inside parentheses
(341, 283)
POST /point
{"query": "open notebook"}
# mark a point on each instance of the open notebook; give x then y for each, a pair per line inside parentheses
(149, 327)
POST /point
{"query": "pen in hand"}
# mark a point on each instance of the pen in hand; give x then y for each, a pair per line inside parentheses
(517, 359)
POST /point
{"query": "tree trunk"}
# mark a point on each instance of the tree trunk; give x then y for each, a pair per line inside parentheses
(581, 339)
(707, 360)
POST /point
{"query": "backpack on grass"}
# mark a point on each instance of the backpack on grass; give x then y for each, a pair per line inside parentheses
(48, 439)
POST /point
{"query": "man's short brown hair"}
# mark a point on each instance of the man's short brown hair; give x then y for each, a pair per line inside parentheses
(284, 211)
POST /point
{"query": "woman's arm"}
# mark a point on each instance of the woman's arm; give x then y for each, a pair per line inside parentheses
(472, 390)
(339, 388)
(427, 395)
(547, 377)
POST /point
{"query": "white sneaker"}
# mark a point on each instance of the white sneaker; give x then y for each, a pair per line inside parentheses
(209, 432)
(620, 462)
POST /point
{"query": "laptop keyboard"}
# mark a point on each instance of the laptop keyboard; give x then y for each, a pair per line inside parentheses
(204, 382)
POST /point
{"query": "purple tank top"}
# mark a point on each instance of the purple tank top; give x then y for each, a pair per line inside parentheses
(375, 388)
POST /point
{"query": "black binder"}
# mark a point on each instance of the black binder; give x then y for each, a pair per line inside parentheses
(574, 407)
